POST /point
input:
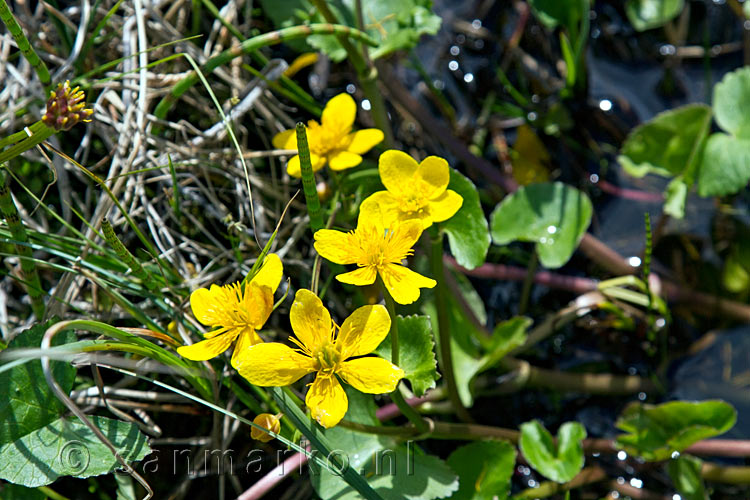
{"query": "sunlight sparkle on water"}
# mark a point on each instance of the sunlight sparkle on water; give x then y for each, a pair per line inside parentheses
(605, 104)
(634, 261)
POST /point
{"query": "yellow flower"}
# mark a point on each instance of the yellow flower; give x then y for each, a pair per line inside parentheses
(267, 421)
(333, 141)
(325, 348)
(414, 191)
(234, 312)
(376, 249)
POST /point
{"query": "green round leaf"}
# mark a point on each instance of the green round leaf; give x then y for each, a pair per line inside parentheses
(559, 462)
(552, 215)
(668, 143)
(567, 13)
(649, 14)
(731, 103)
(725, 168)
(30, 403)
(484, 469)
(67, 447)
(655, 432)
(416, 352)
(468, 235)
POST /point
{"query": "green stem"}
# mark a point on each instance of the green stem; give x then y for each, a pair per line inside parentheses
(18, 232)
(444, 333)
(414, 417)
(23, 44)
(367, 75)
(128, 258)
(39, 133)
(308, 180)
(527, 282)
(290, 88)
(548, 488)
(253, 44)
(49, 492)
(390, 304)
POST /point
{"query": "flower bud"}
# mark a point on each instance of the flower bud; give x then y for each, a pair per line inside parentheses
(267, 421)
(66, 107)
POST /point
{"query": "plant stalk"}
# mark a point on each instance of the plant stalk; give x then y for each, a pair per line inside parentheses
(414, 417)
(367, 74)
(444, 332)
(308, 180)
(32, 283)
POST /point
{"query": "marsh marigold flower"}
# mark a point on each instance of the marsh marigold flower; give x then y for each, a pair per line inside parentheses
(325, 348)
(376, 248)
(235, 311)
(267, 421)
(331, 141)
(414, 191)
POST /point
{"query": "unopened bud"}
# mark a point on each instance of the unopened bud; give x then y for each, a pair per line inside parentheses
(66, 107)
(267, 421)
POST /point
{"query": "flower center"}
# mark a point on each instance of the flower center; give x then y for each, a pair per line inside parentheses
(322, 140)
(413, 205)
(327, 357)
(235, 307)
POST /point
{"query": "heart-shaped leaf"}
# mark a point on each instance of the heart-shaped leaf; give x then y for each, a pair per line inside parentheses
(552, 215)
(484, 469)
(559, 461)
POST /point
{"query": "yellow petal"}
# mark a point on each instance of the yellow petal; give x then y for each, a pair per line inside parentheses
(360, 277)
(272, 364)
(380, 204)
(403, 284)
(209, 348)
(285, 140)
(246, 338)
(363, 331)
(364, 140)
(445, 206)
(269, 273)
(397, 171)
(327, 400)
(371, 375)
(203, 302)
(335, 246)
(375, 218)
(293, 166)
(341, 160)
(339, 113)
(311, 321)
(433, 175)
(257, 304)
